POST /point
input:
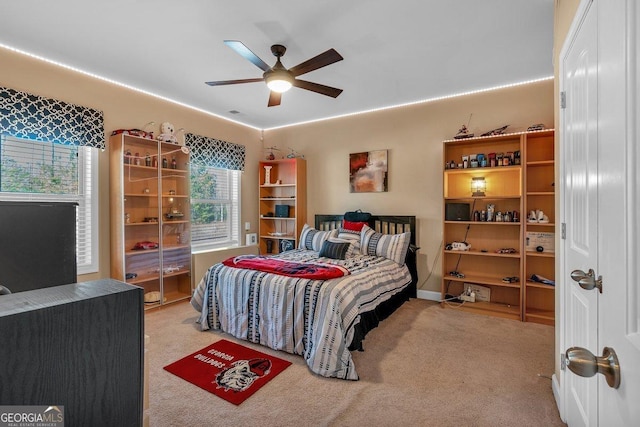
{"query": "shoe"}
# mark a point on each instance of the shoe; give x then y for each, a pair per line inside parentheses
(542, 218)
(532, 217)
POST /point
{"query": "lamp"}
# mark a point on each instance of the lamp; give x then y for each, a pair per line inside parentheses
(478, 186)
(279, 80)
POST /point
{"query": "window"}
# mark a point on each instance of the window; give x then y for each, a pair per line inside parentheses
(215, 207)
(43, 171)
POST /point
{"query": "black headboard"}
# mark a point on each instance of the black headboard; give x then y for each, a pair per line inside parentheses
(386, 224)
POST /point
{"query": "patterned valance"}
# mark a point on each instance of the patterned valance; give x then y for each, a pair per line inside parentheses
(24, 115)
(215, 153)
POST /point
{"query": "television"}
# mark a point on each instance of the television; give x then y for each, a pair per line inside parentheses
(37, 245)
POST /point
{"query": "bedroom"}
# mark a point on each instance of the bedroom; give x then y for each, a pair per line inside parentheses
(412, 134)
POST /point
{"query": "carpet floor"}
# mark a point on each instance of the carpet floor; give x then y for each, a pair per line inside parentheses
(423, 366)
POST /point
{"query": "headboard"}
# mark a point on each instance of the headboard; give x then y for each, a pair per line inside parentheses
(386, 224)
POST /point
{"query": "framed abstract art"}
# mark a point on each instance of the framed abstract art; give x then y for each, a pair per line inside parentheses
(368, 172)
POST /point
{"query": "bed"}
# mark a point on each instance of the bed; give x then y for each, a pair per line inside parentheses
(315, 301)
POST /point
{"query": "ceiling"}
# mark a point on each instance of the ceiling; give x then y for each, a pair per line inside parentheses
(394, 53)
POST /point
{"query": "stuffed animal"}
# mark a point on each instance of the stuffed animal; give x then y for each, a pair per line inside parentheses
(167, 133)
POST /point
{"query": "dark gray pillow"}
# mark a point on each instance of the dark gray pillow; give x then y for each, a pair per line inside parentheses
(334, 250)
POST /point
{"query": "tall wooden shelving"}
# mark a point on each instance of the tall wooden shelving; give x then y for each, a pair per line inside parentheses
(285, 185)
(540, 195)
(514, 187)
(150, 203)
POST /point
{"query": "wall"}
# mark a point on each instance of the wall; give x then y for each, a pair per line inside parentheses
(413, 136)
(125, 108)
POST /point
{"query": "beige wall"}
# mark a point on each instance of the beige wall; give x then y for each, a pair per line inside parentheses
(413, 137)
(124, 108)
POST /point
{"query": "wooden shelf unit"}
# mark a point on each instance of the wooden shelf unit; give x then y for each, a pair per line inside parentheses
(286, 186)
(150, 203)
(518, 187)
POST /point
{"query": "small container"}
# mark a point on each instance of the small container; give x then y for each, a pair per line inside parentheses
(476, 215)
(155, 161)
(137, 159)
(174, 164)
(147, 160)
(164, 162)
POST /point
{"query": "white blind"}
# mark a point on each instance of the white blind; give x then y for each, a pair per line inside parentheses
(43, 171)
(215, 206)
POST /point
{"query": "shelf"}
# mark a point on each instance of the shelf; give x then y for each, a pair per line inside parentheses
(541, 254)
(175, 273)
(495, 309)
(482, 280)
(539, 285)
(143, 278)
(488, 198)
(129, 252)
(546, 317)
(139, 195)
(483, 223)
(278, 217)
(276, 185)
(540, 193)
(485, 169)
(268, 199)
(537, 224)
(541, 163)
(136, 224)
(176, 247)
(287, 237)
(479, 253)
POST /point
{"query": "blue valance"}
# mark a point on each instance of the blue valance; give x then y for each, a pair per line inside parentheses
(24, 115)
(215, 153)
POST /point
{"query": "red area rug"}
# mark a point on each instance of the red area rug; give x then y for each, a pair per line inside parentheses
(228, 370)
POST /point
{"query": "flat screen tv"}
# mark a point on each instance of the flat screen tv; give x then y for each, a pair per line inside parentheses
(37, 245)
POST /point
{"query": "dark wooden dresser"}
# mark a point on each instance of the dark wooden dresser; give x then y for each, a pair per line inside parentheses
(80, 346)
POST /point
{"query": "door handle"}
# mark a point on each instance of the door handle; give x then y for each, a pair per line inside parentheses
(587, 281)
(583, 363)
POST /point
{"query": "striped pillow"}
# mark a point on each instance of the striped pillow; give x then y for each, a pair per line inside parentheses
(390, 246)
(350, 235)
(334, 250)
(312, 239)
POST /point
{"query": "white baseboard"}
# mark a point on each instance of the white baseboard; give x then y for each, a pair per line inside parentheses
(430, 295)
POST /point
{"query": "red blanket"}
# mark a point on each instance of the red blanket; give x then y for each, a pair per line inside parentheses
(287, 268)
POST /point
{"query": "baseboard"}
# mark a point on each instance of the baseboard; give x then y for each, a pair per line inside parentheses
(555, 386)
(430, 295)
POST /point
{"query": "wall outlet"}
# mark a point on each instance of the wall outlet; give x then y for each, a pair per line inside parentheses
(247, 226)
(251, 239)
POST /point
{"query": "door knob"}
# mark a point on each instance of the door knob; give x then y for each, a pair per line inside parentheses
(587, 281)
(583, 363)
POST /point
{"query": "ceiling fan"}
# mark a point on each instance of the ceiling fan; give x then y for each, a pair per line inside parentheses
(278, 78)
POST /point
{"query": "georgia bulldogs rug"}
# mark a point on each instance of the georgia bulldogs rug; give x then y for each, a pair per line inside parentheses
(228, 370)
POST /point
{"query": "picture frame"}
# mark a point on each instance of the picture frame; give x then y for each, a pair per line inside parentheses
(368, 172)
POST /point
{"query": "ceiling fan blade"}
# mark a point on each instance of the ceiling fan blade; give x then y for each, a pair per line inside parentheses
(233, 82)
(244, 51)
(319, 61)
(315, 87)
(274, 99)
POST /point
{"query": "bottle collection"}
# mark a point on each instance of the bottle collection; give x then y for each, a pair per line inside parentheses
(490, 215)
(490, 160)
(136, 159)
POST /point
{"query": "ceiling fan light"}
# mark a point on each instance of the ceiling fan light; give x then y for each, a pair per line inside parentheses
(279, 82)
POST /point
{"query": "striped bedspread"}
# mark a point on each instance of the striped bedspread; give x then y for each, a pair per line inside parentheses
(311, 318)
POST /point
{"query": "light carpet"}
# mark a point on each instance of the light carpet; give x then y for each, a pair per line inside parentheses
(423, 366)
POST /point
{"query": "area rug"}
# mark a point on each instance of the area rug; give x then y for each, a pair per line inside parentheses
(228, 370)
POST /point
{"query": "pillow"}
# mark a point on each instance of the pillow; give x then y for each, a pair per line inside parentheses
(334, 250)
(350, 235)
(390, 246)
(312, 239)
(354, 246)
(354, 226)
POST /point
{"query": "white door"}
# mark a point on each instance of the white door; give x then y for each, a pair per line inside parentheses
(579, 169)
(609, 178)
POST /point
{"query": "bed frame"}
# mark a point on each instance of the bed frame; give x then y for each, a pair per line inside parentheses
(387, 225)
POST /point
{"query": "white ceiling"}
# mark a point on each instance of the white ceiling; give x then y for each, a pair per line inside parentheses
(395, 52)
